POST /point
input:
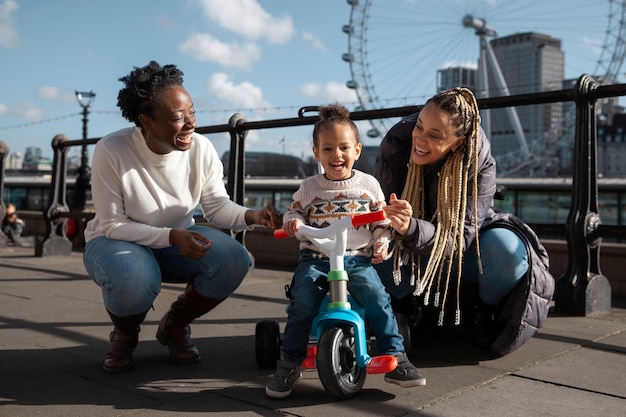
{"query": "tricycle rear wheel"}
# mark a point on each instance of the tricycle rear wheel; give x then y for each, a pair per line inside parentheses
(267, 343)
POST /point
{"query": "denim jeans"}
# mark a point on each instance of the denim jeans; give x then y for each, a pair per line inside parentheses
(364, 286)
(130, 275)
(504, 261)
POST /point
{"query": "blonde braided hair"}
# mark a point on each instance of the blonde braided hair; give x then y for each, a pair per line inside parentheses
(462, 108)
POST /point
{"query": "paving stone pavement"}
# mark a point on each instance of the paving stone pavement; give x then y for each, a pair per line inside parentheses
(54, 331)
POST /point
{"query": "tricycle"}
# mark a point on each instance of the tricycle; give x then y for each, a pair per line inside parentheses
(338, 341)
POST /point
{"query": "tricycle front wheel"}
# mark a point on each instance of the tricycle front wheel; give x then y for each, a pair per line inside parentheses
(336, 362)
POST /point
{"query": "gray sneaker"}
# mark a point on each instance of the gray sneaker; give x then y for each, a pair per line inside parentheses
(286, 376)
(406, 375)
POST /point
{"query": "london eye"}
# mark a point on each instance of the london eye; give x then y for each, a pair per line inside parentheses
(395, 48)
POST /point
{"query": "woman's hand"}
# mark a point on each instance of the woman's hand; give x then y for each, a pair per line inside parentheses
(399, 212)
(190, 243)
(268, 216)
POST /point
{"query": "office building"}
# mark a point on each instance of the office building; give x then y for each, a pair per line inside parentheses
(451, 77)
(530, 62)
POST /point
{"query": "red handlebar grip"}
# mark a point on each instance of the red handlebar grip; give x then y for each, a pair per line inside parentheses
(280, 234)
(361, 219)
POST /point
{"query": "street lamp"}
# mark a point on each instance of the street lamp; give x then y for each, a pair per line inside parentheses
(85, 99)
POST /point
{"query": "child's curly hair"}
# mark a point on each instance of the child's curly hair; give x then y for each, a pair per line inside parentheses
(331, 115)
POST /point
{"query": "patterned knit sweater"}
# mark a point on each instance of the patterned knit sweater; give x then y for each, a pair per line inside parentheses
(320, 201)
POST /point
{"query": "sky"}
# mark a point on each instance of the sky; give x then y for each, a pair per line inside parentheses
(262, 58)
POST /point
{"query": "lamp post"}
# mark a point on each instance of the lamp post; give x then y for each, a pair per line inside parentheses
(85, 99)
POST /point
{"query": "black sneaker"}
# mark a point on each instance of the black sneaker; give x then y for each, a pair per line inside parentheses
(406, 375)
(286, 376)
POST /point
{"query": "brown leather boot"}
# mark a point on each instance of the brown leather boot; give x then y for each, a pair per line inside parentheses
(124, 338)
(174, 330)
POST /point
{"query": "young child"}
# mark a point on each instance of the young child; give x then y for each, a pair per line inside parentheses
(12, 225)
(321, 200)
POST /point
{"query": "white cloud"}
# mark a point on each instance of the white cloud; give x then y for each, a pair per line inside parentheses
(595, 45)
(8, 34)
(245, 94)
(28, 111)
(24, 110)
(329, 92)
(247, 18)
(206, 48)
(454, 63)
(54, 94)
(314, 40)
(253, 137)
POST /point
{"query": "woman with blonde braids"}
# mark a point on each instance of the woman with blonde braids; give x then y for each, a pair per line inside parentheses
(449, 236)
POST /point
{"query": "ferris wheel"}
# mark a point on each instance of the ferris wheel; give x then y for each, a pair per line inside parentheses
(395, 48)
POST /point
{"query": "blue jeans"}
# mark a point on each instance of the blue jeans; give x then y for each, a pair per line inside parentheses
(504, 260)
(364, 286)
(130, 275)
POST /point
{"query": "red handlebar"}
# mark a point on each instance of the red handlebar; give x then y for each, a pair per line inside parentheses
(357, 220)
(361, 219)
(280, 234)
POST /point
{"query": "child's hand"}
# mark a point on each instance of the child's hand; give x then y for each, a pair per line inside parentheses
(291, 226)
(380, 252)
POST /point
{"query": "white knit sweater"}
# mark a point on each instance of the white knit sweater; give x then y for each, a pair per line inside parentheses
(319, 202)
(139, 196)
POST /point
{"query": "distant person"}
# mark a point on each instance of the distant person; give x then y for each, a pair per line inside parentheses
(13, 226)
(147, 181)
(437, 170)
(321, 200)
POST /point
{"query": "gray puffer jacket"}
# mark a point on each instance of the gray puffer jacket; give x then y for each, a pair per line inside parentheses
(526, 307)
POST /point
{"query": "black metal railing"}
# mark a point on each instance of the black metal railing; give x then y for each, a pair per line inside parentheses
(582, 290)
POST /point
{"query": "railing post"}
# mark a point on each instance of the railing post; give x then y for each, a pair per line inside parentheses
(583, 290)
(54, 241)
(4, 150)
(236, 168)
